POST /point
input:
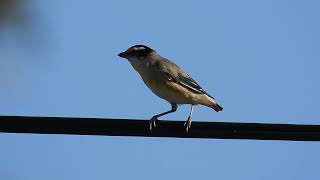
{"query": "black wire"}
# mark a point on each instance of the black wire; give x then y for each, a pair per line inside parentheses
(130, 127)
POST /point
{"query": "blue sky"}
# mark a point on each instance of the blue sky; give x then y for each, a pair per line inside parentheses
(260, 59)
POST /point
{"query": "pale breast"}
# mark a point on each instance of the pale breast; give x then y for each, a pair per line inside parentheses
(170, 91)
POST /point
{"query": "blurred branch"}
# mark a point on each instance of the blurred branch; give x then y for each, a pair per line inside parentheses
(128, 127)
(10, 10)
(23, 28)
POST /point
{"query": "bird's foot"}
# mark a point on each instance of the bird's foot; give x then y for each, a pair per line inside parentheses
(187, 124)
(152, 123)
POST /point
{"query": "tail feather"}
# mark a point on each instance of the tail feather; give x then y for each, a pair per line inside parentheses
(216, 107)
(213, 103)
(209, 101)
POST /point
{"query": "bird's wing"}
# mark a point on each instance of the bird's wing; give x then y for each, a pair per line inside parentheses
(177, 75)
(189, 83)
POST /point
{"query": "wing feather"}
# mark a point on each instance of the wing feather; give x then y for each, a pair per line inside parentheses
(175, 74)
(191, 84)
(187, 82)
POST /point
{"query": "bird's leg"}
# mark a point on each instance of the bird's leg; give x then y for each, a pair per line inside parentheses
(189, 121)
(153, 120)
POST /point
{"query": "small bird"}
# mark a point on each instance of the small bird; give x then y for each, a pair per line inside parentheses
(168, 81)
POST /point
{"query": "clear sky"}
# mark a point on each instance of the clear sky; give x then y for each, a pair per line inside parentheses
(260, 59)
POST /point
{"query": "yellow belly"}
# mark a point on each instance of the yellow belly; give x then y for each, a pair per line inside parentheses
(170, 91)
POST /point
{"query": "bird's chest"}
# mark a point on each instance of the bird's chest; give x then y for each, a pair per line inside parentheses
(167, 90)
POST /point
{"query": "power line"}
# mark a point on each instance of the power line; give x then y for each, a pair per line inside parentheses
(131, 127)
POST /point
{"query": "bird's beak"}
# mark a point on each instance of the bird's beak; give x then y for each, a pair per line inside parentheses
(122, 54)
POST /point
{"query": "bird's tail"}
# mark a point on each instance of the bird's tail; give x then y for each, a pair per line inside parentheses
(209, 101)
(216, 106)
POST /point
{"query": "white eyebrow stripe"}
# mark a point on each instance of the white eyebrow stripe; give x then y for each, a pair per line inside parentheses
(139, 48)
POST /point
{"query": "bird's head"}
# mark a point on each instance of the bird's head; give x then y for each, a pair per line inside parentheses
(136, 51)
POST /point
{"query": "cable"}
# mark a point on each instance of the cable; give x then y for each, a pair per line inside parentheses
(131, 127)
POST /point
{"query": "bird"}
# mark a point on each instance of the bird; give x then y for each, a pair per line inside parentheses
(168, 81)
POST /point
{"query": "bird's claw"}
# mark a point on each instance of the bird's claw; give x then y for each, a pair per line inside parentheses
(187, 124)
(152, 123)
